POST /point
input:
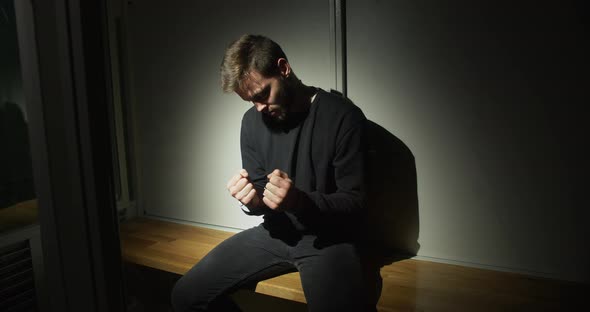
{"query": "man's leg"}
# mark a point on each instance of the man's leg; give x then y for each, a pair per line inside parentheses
(247, 257)
(332, 277)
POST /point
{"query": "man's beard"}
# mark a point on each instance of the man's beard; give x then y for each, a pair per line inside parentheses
(281, 121)
(284, 100)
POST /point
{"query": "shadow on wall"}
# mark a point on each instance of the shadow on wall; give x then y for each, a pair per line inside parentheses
(16, 174)
(393, 225)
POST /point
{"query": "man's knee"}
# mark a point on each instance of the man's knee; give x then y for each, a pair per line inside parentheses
(180, 298)
(185, 297)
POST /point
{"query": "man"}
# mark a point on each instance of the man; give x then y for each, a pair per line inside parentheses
(302, 156)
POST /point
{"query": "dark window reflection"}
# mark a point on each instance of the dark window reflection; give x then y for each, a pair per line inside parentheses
(18, 206)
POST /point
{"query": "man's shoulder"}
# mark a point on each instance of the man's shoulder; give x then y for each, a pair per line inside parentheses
(250, 115)
(336, 104)
(250, 119)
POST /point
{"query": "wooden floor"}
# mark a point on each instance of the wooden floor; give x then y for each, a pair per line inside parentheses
(408, 285)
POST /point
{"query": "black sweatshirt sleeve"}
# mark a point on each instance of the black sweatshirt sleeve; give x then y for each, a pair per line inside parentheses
(252, 164)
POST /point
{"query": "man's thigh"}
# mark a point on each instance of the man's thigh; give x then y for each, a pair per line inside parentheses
(245, 258)
(332, 277)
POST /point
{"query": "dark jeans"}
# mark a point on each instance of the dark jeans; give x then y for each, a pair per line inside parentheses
(332, 274)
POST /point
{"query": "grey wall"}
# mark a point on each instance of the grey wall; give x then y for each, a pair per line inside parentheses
(487, 98)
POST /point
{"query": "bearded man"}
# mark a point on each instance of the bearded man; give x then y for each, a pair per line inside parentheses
(303, 171)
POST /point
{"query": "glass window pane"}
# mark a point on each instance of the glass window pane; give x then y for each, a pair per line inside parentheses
(18, 207)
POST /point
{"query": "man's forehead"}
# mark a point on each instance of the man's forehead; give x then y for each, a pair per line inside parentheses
(252, 83)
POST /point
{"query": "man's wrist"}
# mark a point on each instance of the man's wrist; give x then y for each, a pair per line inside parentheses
(291, 203)
(245, 208)
(253, 204)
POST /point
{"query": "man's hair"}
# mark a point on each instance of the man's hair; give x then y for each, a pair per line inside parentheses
(248, 53)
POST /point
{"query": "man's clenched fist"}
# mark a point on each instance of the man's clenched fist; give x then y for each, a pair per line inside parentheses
(243, 190)
(278, 191)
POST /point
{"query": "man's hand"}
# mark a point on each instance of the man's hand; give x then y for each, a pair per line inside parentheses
(243, 190)
(278, 190)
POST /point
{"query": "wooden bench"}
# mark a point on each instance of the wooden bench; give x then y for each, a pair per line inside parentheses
(408, 285)
(175, 248)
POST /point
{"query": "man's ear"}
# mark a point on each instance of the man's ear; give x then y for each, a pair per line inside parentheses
(284, 67)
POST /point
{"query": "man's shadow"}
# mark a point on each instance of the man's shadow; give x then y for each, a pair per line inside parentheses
(391, 229)
(392, 195)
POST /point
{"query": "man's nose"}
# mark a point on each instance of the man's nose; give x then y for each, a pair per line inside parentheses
(259, 106)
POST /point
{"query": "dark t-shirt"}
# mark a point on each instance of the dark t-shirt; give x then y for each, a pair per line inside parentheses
(322, 152)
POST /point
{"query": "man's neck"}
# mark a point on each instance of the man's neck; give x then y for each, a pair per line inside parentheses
(302, 97)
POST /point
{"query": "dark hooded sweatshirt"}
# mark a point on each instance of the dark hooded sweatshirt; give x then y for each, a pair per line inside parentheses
(322, 152)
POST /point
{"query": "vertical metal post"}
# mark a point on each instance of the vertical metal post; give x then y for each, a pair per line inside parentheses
(338, 43)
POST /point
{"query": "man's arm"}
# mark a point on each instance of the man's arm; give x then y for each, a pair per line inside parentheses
(349, 175)
(256, 172)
